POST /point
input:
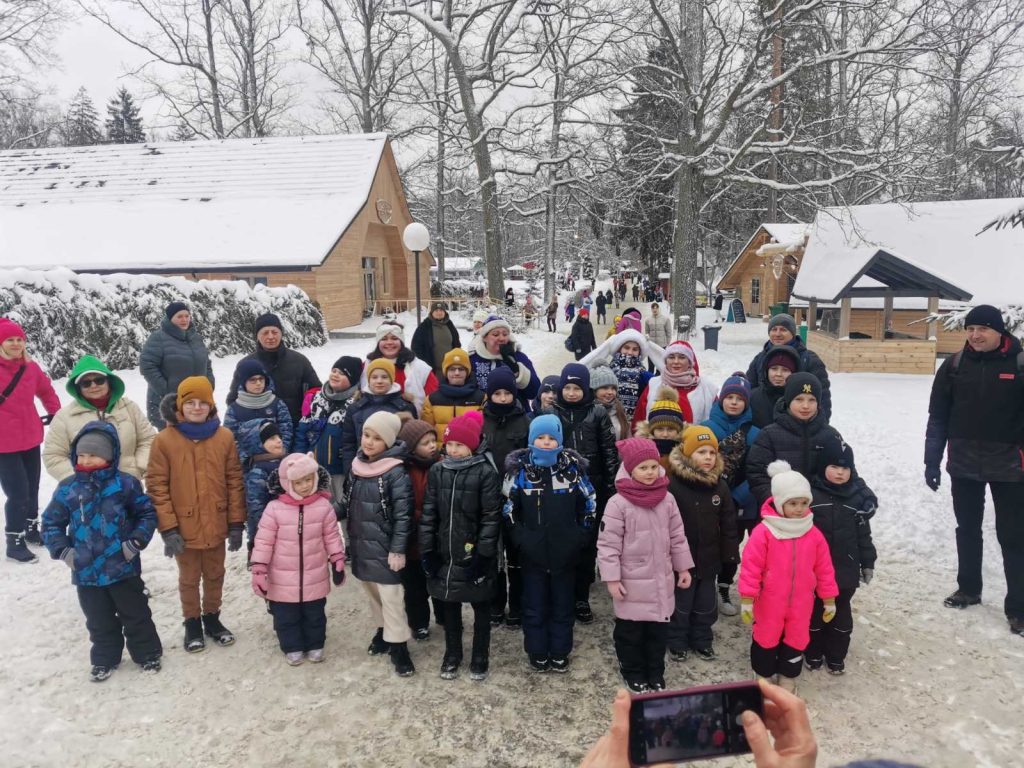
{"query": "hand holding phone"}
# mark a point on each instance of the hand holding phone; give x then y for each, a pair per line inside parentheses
(785, 716)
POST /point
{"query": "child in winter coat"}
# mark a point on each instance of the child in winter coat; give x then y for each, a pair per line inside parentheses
(779, 364)
(548, 519)
(195, 481)
(709, 519)
(256, 400)
(323, 415)
(506, 427)
(97, 523)
(842, 506)
(643, 556)
(664, 424)
(546, 397)
(298, 553)
(785, 563)
(378, 505)
(420, 442)
(731, 421)
(459, 540)
(456, 395)
(260, 442)
(381, 393)
(606, 392)
(570, 309)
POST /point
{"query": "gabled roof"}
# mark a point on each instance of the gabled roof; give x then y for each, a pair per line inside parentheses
(786, 233)
(235, 203)
(927, 248)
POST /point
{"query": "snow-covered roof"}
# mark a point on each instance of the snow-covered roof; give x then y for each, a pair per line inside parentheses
(789, 233)
(232, 203)
(459, 264)
(943, 240)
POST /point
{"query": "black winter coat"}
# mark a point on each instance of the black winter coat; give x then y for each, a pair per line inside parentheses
(169, 356)
(292, 373)
(842, 514)
(789, 439)
(505, 432)
(379, 511)
(709, 515)
(460, 524)
(809, 363)
(364, 405)
(581, 338)
(423, 341)
(587, 429)
(979, 411)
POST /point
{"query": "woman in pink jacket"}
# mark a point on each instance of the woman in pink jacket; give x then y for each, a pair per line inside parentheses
(297, 551)
(643, 555)
(786, 561)
(21, 433)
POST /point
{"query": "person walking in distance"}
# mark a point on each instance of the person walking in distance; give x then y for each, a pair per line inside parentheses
(658, 329)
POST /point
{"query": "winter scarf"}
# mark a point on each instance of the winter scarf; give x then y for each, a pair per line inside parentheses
(544, 457)
(665, 445)
(247, 400)
(686, 380)
(783, 528)
(199, 431)
(499, 409)
(458, 394)
(723, 425)
(629, 370)
(361, 467)
(645, 496)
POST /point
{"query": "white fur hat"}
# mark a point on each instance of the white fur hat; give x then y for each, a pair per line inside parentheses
(787, 484)
(628, 334)
(390, 328)
(493, 322)
(480, 316)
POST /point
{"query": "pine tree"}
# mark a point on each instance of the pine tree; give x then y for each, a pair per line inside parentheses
(183, 132)
(124, 126)
(81, 124)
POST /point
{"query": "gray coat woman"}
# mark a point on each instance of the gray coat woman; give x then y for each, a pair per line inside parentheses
(170, 355)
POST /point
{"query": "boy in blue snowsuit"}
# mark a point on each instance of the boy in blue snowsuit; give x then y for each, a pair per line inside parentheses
(97, 522)
(257, 400)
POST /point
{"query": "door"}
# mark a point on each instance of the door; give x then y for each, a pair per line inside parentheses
(369, 293)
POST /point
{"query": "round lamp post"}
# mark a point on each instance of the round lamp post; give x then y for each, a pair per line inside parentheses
(417, 238)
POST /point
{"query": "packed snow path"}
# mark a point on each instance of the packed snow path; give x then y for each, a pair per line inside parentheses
(925, 684)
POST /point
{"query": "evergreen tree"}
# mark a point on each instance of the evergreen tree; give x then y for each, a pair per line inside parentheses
(183, 132)
(81, 124)
(124, 126)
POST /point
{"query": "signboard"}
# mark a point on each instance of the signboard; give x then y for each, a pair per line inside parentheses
(736, 312)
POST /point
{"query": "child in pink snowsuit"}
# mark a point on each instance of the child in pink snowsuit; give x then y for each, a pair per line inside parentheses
(297, 552)
(786, 561)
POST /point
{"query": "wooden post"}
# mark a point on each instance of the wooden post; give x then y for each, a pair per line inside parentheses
(887, 313)
(812, 315)
(844, 318)
(933, 309)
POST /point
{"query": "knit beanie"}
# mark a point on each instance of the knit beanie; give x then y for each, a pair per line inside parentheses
(412, 432)
(97, 443)
(391, 328)
(802, 383)
(575, 373)
(438, 305)
(269, 320)
(786, 321)
(501, 378)
(635, 451)
(465, 429)
(603, 376)
(493, 322)
(986, 315)
(783, 356)
(174, 308)
(585, 312)
(195, 388)
(666, 410)
(787, 484)
(455, 357)
(546, 424)
(246, 369)
(384, 424)
(835, 452)
(269, 429)
(547, 384)
(352, 367)
(381, 364)
(294, 467)
(10, 329)
(696, 436)
(736, 384)
(480, 316)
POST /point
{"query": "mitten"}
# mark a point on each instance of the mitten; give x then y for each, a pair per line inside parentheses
(338, 572)
(932, 476)
(482, 567)
(68, 557)
(235, 538)
(260, 580)
(431, 564)
(130, 549)
(830, 610)
(747, 610)
(508, 356)
(866, 575)
(174, 545)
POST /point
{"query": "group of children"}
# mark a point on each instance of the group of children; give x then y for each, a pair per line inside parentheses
(479, 502)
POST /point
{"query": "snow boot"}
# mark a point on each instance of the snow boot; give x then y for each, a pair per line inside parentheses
(99, 673)
(837, 668)
(1016, 625)
(19, 553)
(32, 535)
(725, 604)
(450, 666)
(514, 620)
(378, 647)
(221, 635)
(682, 655)
(421, 634)
(961, 600)
(708, 654)
(814, 664)
(559, 664)
(400, 658)
(658, 684)
(478, 667)
(294, 658)
(316, 656)
(497, 618)
(539, 663)
(636, 686)
(151, 665)
(194, 641)
(584, 615)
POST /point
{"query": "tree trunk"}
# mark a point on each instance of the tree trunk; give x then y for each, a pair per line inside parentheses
(218, 120)
(686, 244)
(551, 212)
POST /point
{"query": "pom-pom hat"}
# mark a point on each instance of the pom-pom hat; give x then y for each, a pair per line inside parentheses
(666, 411)
(787, 484)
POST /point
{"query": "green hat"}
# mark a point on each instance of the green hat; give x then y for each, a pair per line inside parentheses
(90, 364)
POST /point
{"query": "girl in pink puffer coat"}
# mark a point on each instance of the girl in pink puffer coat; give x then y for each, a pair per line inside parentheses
(786, 561)
(643, 556)
(297, 551)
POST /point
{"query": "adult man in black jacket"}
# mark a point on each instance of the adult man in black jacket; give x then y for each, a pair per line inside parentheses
(977, 407)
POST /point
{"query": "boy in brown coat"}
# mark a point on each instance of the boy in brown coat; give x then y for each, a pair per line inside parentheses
(195, 481)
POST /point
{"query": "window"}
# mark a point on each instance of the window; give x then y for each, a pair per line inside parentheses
(755, 290)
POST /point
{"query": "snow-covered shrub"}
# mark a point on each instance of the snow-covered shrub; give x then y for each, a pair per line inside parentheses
(67, 315)
(1013, 316)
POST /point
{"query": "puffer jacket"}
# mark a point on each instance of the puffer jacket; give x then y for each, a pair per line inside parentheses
(735, 435)
(94, 513)
(169, 356)
(257, 468)
(364, 405)
(809, 363)
(789, 439)
(843, 514)
(20, 427)
(275, 411)
(196, 487)
(291, 372)
(764, 396)
(550, 511)
(448, 402)
(708, 512)
(320, 429)
(587, 429)
(460, 524)
(299, 541)
(782, 576)
(643, 548)
(378, 506)
(134, 431)
(505, 432)
(659, 329)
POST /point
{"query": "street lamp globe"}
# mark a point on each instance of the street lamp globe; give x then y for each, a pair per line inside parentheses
(416, 237)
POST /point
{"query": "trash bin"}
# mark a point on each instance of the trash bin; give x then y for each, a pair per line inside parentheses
(803, 332)
(778, 309)
(711, 336)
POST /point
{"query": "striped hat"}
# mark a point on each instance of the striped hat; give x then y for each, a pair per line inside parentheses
(666, 410)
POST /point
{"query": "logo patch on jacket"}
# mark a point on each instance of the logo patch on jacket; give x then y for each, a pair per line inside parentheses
(716, 500)
(1008, 376)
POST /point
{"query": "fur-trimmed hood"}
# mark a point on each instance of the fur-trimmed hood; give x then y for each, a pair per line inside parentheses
(169, 409)
(681, 466)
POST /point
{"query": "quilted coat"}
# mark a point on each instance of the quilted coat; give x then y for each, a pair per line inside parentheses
(169, 356)
(20, 427)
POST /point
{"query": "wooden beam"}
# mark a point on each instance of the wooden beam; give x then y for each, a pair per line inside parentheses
(887, 313)
(844, 318)
(933, 309)
(812, 315)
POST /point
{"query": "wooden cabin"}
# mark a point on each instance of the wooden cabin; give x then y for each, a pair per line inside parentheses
(763, 272)
(325, 213)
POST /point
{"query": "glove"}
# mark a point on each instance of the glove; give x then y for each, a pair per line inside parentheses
(396, 562)
(866, 575)
(68, 557)
(932, 477)
(260, 580)
(747, 610)
(481, 568)
(431, 564)
(130, 549)
(830, 610)
(46, 418)
(508, 356)
(174, 545)
(235, 538)
(338, 572)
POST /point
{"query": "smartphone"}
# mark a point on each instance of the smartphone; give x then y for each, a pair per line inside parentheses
(678, 726)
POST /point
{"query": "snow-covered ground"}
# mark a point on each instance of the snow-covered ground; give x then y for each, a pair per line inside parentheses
(925, 684)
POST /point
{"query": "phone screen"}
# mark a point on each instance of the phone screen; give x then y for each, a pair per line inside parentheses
(689, 725)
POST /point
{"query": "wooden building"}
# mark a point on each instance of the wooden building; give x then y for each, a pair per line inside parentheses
(325, 213)
(763, 272)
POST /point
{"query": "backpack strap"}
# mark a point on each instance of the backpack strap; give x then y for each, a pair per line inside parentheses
(12, 384)
(954, 362)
